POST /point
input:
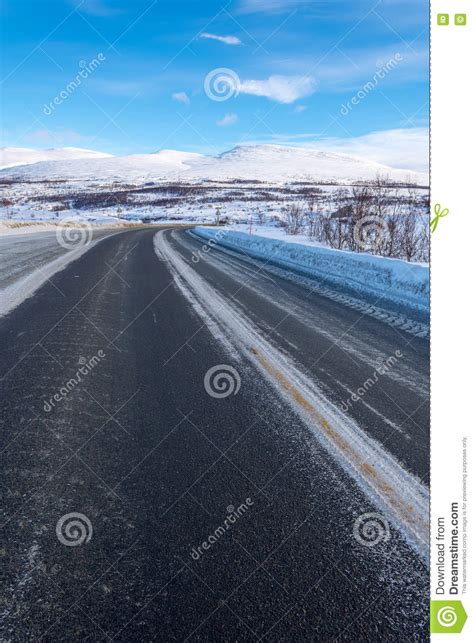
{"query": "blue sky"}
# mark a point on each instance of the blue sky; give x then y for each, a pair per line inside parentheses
(292, 64)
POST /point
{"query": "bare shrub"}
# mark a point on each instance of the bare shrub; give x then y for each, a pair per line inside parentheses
(293, 219)
(400, 212)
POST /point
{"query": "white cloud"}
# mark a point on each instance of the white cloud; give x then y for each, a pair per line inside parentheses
(404, 148)
(119, 87)
(260, 6)
(228, 40)
(56, 137)
(97, 8)
(229, 119)
(278, 6)
(345, 70)
(283, 89)
(181, 97)
(299, 109)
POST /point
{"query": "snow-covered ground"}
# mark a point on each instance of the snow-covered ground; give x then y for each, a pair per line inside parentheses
(385, 279)
(246, 185)
(280, 234)
(102, 202)
(247, 181)
(17, 228)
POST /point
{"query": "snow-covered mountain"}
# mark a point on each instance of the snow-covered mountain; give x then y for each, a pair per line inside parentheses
(13, 156)
(269, 163)
(276, 163)
(134, 167)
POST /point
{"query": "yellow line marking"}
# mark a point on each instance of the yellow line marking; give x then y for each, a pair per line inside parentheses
(370, 471)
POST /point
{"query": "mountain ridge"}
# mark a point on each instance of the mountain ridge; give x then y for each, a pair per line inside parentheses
(268, 162)
(18, 156)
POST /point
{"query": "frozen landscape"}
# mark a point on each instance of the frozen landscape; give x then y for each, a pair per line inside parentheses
(297, 275)
(214, 321)
(260, 185)
(304, 205)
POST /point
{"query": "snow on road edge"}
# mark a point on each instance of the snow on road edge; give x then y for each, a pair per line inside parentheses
(25, 287)
(389, 279)
(399, 493)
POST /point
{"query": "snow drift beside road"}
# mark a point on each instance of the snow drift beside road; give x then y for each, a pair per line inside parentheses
(393, 280)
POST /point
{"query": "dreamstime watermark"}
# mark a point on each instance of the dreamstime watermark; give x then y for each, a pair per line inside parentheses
(209, 245)
(370, 232)
(221, 381)
(74, 529)
(86, 366)
(371, 529)
(221, 84)
(73, 234)
(383, 71)
(86, 69)
(447, 616)
(381, 370)
(232, 516)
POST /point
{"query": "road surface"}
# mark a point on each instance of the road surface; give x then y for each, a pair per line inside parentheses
(28, 259)
(194, 413)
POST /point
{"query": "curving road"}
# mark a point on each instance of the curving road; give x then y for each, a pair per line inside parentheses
(203, 513)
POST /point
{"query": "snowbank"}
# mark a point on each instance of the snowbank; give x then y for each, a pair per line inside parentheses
(390, 280)
(30, 227)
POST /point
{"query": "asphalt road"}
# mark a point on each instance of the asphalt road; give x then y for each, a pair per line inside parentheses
(204, 518)
(28, 259)
(20, 254)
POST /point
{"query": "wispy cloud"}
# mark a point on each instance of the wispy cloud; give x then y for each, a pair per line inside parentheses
(227, 40)
(56, 137)
(118, 87)
(99, 8)
(260, 6)
(229, 119)
(283, 89)
(402, 148)
(346, 68)
(181, 97)
(278, 6)
(299, 109)
(405, 148)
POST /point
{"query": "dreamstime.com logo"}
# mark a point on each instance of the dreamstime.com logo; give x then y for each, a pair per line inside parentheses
(221, 84)
(370, 233)
(221, 381)
(86, 69)
(74, 529)
(381, 369)
(384, 68)
(371, 529)
(211, 243)
(85, 367)
(233, 514)
(74, 234)
(447, 617)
